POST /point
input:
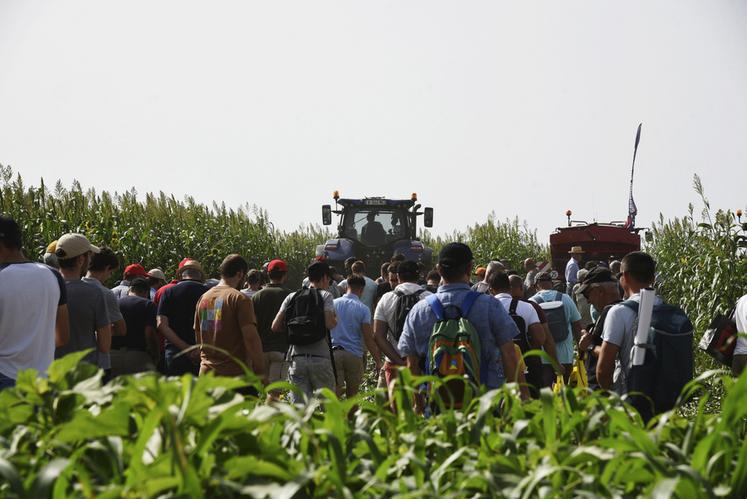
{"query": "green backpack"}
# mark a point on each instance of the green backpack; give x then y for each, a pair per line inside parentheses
(454, 349)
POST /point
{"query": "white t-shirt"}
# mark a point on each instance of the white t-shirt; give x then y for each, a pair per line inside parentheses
(523, 309)
(387, 308)
(740, 316)
(30, 294)
(619, 329)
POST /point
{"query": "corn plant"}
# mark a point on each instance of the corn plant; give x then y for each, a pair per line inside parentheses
(157, 231)
(700, 266)
(508, 241)
(149, 436)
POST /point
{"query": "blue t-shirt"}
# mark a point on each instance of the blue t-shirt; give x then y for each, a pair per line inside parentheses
(352, 313)
(565, 347)
(491, 321)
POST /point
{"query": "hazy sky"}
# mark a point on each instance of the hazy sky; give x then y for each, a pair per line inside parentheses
(523, 108)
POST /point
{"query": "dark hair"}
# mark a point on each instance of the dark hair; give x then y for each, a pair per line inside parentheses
(454, 272)
(68, 263)
(515, 281)
(232, 265)
(350, 261)
(499, 281)
(140, 285)
(641, 267)
(358, 267)
(276, 274)
(254, 276)
(408, 271)
(10, 233)
(394, 267)
(590, 265)
(385, 268)
(399, 257)
(356, 282)
(104, 259)
(317, 271)
(433, 275)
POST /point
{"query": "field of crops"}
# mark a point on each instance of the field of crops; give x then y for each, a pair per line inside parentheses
(147, 436)
(150, 436)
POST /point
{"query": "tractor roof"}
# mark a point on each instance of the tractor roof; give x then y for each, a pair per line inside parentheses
(377, 201)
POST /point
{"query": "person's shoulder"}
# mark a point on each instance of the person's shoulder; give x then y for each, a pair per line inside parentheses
(484, 297)
(387, 297)
(89, 286)
(618, 311)
(526, 306)
(566, 298)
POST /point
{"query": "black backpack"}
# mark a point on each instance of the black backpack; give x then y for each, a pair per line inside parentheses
(655, 386)
(405, 303)
(521, 339)
(304, 317)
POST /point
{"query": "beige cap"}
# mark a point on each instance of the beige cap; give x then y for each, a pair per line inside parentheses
(157, 273)
(72, 245)
(189, 264)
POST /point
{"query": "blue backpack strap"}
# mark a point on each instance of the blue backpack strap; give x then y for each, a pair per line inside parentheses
(436, 306)
(468, 301)
(558, 296)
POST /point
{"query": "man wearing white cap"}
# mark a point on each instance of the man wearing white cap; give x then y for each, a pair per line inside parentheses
(156, 279)
(571, 268)
(90, 326)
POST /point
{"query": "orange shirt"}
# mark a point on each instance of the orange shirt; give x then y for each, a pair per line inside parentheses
(221, 313)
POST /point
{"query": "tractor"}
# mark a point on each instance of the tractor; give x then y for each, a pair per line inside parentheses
(374, 229)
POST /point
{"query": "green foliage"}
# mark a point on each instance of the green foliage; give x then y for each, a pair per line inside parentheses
(495, 240)
(158, 231)
(700, 264)
(148, 436)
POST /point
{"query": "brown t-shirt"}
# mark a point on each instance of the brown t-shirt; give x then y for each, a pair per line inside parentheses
(221, 313)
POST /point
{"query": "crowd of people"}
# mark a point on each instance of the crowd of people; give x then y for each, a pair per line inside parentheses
(455, 318)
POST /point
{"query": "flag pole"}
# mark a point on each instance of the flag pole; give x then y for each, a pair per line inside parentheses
(632, 209)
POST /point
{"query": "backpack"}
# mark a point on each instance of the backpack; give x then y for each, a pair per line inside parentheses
(656, 384)
(556, 319)
(522, 339)
(304, 317)
(720, 339)
(454, 349)
(405, 303)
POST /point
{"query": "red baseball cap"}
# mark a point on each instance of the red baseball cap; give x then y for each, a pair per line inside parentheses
(184, 262)
(277, 265)
(136, 270)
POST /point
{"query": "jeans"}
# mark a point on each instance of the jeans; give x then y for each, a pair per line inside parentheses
(176, 366)
(130, 361)
(6, 382)
(738, 364)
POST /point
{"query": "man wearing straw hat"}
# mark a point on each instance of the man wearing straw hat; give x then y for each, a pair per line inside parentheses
(571, 268)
